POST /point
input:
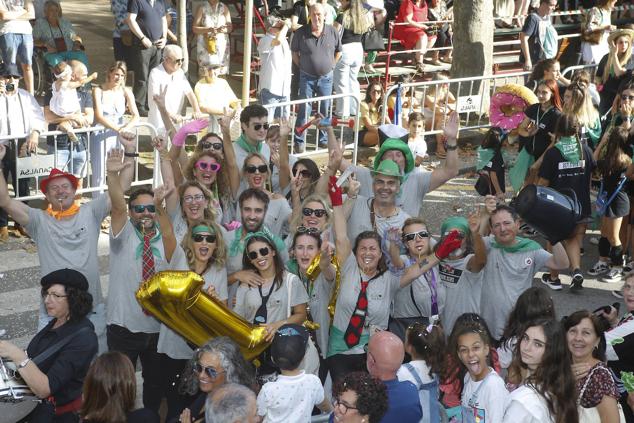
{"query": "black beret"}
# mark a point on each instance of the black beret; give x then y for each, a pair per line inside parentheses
(66, 277)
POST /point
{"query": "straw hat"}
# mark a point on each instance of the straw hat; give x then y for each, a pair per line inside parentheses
(620, 32)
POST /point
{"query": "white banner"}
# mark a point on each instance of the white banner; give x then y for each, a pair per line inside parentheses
(35, 166)
(469, 103)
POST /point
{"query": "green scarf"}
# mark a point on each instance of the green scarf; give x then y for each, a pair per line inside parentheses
(237, 244)
(293, 267)
(485, 155)
(454, 222)
(521, 245)
(155, 238)
(569, 148)
(242, 142)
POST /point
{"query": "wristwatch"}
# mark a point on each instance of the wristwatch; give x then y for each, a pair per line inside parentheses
(24, 363)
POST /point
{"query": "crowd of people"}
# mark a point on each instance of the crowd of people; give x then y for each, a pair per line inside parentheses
(367, 316)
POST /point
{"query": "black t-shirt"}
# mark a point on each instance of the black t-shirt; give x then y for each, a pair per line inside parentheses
(611, 86)
(531, 30)
(348, 36)
(497, 165)
(537, 144)
(148, 17)
(301, 11)
(564, 175)
(85, 101)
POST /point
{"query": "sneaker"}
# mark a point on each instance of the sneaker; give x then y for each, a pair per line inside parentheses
(552, 284)
(618, 294)
(614, 275)
(594, 240)
(577, 283)
(599, 268)
(628, 267)
(299, 147)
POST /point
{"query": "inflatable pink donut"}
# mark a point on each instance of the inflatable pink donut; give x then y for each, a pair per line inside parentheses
(508, 104)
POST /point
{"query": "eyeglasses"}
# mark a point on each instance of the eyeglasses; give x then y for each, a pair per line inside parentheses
(264, 251)
(209, 371)
(304, 230)
(304, 173)
(377, 91)
(338, 402)
(178, 61)
(211, 145)
(188, 199)
(259, 169)
(626, 97)
(258, 126)
(412, 235)
(317, 212)
(200, 238)
(53, 296)
(140, 208)
(214, 167)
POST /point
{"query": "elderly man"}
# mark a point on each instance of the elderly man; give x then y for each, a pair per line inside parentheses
(231, 403)
(169, 81)
(316, 49)
(385, 355)
(16, 36)
(71, 156)
(20, 116)
(147, 19)
(511, 265)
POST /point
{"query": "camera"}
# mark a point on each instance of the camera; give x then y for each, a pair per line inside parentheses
(10, 87)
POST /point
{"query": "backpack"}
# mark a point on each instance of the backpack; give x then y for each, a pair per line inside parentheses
(435, 410)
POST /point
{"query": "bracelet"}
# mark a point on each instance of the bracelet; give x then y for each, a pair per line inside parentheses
(24, 363)
(451, 147)
(131, 154)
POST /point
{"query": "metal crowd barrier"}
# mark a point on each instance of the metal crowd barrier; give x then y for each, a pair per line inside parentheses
(39, 165)
(311, 135)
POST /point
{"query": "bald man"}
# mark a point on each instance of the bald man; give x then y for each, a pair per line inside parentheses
(385, 355)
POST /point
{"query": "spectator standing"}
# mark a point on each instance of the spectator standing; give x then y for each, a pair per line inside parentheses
(212, 24)
(148, 23)
(275, 69)
(214, 95)
(316, 49)
(538, 39)
(16, 36)
(614, 67)
(20, 114)
(121, 34)
(596, 30)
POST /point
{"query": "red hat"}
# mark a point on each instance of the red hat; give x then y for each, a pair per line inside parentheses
(56, 173)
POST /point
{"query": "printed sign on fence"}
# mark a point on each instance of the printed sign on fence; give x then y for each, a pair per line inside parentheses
(35, 166)
(469, 103)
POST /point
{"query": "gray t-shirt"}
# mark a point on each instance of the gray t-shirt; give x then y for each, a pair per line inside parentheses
(421, 287)
(316, 54)
(360, 220)
(413, 189)
(462, 288)
(71, 242)
(126, 274)
(506, 277)
(248, 299)
(171, 343)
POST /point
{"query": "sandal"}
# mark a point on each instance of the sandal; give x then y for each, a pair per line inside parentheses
(420, 68)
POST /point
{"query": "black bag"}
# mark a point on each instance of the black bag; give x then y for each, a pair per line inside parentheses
(372, 41)
(483, 185)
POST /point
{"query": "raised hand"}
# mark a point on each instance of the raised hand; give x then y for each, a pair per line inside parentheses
(192, 127)
(452, 126)
(160, 143)
(160, 193)
(335, 193)
(285, 129)
(128, 140)
(115, 162)
(490, 203)
(394, 235)
(225, 120)
(474, 220)
(354, 187)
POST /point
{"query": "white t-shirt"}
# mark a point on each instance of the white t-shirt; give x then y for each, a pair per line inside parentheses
(15, 26)
(418, 148)
(290, 398)
(462, 290)
(489, 402)
(526, 405)
(177, 89)
(276, 63)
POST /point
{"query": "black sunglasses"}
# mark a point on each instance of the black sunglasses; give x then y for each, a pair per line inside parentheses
(178, 61)
(209, 145)
(258, 126)
(210, 371)
(304, 230)
(305, 173)
(259, 169)
(264, 251)
(200, 237)
(411, 236)
(317, 212)
(140, 208)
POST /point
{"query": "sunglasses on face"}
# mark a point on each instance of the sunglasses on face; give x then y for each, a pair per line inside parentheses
(304, 173)
(626, 97)
(412, 235)
(140, 208)
(259, 169)
(178, 61)
(211, 145)
(258, 126)
(317, 212)
(211, 238)
(209, 371)
(213, 167)
(264, 251)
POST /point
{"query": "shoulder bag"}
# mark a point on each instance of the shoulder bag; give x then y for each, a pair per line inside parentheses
(591, 415)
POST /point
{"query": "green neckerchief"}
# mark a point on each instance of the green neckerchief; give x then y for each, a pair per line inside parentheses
(242, 142)
(157, 236)
(237, 244)
(293, 267)
(521, 245)
(569, 148)
(485, 155)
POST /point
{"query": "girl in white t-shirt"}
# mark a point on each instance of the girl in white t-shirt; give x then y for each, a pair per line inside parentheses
(484, 393)
(426, 345)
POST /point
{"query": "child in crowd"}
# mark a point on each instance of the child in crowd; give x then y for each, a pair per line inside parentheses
(490, 163)
(293, 395)
(416, 140)
(426, 345)
(64, 101)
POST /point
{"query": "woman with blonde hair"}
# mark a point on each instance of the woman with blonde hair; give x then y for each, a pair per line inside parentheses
(612, 69)
(578, 103)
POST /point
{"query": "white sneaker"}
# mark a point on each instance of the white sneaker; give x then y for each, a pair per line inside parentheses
(599, 268)
(614, 275)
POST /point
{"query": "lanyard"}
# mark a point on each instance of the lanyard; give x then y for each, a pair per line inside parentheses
(433, 287)
(6, 102)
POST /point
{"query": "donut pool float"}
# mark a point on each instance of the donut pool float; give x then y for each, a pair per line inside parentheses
(508, 104)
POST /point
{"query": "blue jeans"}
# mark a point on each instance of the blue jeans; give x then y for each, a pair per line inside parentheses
(70, 161)
(267, 97)
(311, 86)
(17, 47)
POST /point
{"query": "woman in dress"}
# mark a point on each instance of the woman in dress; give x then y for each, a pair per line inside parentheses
(411, 30)
(212, 24)
(371, 111)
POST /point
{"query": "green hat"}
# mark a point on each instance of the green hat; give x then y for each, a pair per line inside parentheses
(454, 222)
(389, 168)
(395, 144)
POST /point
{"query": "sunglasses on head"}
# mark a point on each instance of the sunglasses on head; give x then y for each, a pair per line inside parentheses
(264, 251)
(412, 235)
(305, 173)
(214, 167)
(317, 212)
(304, 230)
(209, 371)
(140, 208)
(259, 169)
(258, 126)
(200, 237)
(205, 145)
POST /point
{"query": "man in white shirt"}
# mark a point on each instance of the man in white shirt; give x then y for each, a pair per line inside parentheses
(169, 80)
(16, 36)
(276, 64)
